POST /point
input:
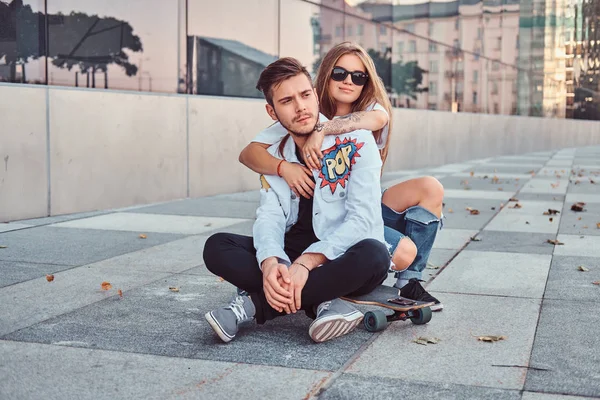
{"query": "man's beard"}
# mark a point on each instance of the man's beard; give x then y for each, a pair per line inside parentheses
(295, 133)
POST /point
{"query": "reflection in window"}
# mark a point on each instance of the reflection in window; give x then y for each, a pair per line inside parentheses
(22, 46)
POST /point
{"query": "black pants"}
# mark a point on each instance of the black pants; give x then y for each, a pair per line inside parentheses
(358, 271)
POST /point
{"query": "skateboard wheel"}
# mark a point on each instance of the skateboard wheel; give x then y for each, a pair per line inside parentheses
(375, 321)
(421, 316)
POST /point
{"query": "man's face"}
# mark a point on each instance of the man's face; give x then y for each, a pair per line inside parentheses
(295, 105)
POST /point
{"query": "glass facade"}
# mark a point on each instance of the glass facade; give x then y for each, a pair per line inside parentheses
(534, 57)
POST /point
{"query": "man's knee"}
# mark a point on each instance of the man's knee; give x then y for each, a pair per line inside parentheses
(375, 254)
(213, 248)
(405, 254)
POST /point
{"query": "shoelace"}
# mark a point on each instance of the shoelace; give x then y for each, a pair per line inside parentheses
(237, 306)
(323, 306)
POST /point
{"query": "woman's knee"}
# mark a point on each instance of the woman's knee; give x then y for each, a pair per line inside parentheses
(405, 254)
(433, 189)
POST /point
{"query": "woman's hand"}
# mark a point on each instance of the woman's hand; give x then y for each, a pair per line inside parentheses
(298, 178)
(312, 150)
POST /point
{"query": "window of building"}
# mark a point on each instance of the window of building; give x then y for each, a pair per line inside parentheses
(474, 97)
(433, 66)
(400, 46)
(433, 88)
(360, 29)
(432, 47)
(349, 30)
(382, 30)
(412, 46)
(475, 76)
(339, 31)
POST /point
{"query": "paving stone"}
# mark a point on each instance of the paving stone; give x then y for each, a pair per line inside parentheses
(453, 239)
(479, 194)
(451, 182)
(541, 197)
(521, 160)
(49, 245)
(512, 242)
(586, 198)
(208, 207)
(547, 396)
(460, 217)
(523, 223)
(566, 347)
(7, 227)
(506, 168)
(496, 273)
(511, 163)
(350, 386)
(571, 223)
(499, 175)
(151, 319)
(584, 187)
(567, 282)
(64, 372)
(451, 168)
(250, 196)
(574, 245)
(459, 358)
(545, 186)
(155, 223)
(16, 271)
(62, 218)
(560, 162)
(554, 173)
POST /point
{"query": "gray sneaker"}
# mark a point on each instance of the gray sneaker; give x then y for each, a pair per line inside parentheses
(225, 320)
(334, 318)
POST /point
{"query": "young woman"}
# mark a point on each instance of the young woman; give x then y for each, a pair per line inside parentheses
(352, 96)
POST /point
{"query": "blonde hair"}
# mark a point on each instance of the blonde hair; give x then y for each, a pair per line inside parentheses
(373, 91)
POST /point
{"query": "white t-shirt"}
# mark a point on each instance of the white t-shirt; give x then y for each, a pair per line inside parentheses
(276, 132)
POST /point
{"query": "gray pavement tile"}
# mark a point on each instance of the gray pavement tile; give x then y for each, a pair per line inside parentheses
(250, 196)
(154, 320)
(459, 358)
(547, 396)
(580, 223)
(567, 282)
(52, 245)
(502, 196)
(507, 168)
(495, 273)
(473, 183)
(437, 259)
(546, 186)
(513, 242)
(564, 163)
(567, 347)
(62, 218)
(553, 173)
(207, 207)
(350, 386)
(584, 187)
(523, 223)
(541, 197)
(16, 272)
(155, 223)
(39, 371)
(451, 168)
(7, 227)
(457, 215)
(453, 239)
(574, 245)
(586, 198)
(243, 228)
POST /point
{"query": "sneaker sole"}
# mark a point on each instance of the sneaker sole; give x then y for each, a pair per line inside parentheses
(328, 328)
(437, 307)
(217, 328)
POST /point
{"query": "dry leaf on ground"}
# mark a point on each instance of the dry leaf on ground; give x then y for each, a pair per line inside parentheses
(551, 212)
(500, 189)
(106, 285)
(173, 289)
(579, 219)
(551, 219)
(209, 224)
(555, 242)
(597, 283)
(49, 278)
(120, 292)
(431, 266)
(450, 210)
(513, 199)
(474, 212)
(3, 247)
(578, 206)
(583, 269)
(598, 225)
(491, 338)
(425, 340)
(472, 173)
(474, 239)
(142, 236)
(517, 205)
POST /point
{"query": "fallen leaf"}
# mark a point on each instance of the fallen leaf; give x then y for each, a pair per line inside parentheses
(468, 208)
(577, 182)
(551, 219)
(431, 266)
(598, 225)
(450, 210)
(491, 338)
(485, 177)
(173, 289)
(513, 199)
(221, 279)
(551, 212)
(555, 185)
(583, 269)
(500, 189)
(593, 182)
(142, 236)
(585, 227)
(517, 205)
(49, 278)
(493, 208)
(120, 292)
(578, 206)
(467, 187)
(209, 224)
(425, 340)
(578, 219)
(3, 247)
(597, 283)
(465, 182)
(526, 222)
(555, 242)
(106, 285)
(531, 172)
(495, 179)
(472, 173)
(474, 212)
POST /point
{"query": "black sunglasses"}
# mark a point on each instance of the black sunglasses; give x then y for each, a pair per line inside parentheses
(358, 78)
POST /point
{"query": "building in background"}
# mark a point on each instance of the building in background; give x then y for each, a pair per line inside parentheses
(532, 57)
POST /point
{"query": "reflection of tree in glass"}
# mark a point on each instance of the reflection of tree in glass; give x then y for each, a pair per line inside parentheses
(91, 43)
(19, 49)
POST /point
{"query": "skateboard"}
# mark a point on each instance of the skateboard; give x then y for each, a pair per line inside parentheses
(418, 312)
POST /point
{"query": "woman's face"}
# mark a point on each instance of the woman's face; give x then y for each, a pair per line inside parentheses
(346, 92)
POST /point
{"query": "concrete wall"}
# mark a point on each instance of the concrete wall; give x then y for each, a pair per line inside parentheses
(65, 150)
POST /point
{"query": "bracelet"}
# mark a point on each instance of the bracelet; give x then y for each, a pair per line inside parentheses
(279, 167)
(296, 262)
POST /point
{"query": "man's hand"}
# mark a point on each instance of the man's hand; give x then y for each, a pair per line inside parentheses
(312, 148)
(276, 294)
(298, 178)
(299, 276)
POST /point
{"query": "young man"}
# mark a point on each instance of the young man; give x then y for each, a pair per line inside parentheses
(306, 253)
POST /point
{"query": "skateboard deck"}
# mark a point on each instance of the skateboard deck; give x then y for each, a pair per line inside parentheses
(418, 312)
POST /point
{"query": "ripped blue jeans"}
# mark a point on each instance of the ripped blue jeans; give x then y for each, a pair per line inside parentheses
(420, 225)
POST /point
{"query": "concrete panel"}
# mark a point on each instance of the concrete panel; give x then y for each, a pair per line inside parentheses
(113, 149)
(23, 174)
(219, 128)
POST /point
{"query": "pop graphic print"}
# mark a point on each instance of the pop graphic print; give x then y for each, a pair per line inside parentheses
(338, 161)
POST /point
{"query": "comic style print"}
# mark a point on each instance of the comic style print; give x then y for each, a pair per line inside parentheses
(337, 163)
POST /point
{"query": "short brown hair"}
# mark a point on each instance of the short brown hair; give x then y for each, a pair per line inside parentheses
(277, 72)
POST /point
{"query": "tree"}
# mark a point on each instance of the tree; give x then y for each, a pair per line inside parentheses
(407, 78)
